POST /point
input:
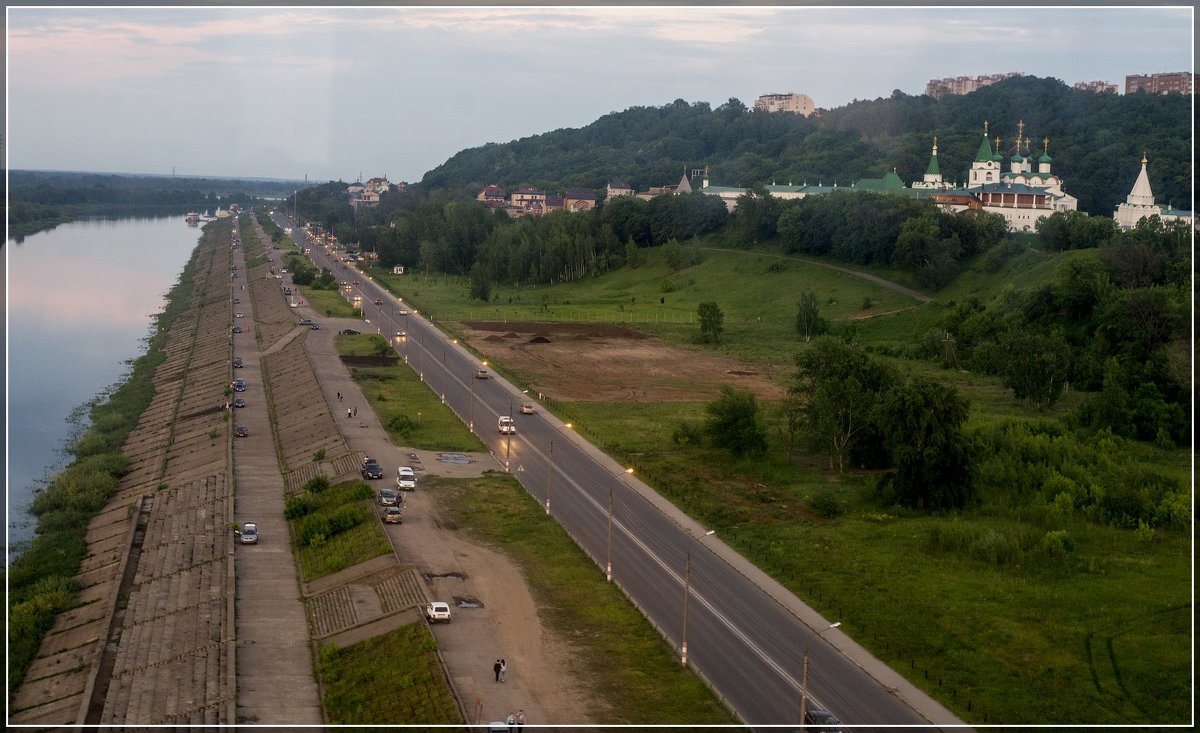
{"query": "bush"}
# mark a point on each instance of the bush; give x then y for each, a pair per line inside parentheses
(298, 506)
(688, 433)
(316, 485)
(314, 530)
(402, 425)
(826, 505)
(344, 519)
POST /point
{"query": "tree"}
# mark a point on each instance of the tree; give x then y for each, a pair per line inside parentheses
(921, 423)
(808, 318)
(1037, 366)
(733, 422)
(481, 289)
(711, 321)
(840, 384)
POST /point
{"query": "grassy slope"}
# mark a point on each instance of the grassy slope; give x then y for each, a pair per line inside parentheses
(1106, 631)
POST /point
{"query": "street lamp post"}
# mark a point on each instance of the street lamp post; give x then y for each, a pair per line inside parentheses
(687, 589)
(804, 674)
(508, 441)
(549, 473)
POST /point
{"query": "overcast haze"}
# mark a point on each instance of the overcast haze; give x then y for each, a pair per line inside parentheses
(331, 93)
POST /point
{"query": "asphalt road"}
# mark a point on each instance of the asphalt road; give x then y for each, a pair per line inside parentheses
(746, 634)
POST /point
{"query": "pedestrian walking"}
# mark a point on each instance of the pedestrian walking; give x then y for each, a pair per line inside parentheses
(356, 412)
(496, 669)
(339, 396)
(520, 718)
(503, 669)
(511, 721)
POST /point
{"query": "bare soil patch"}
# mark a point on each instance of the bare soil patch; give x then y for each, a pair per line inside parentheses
(588, 362)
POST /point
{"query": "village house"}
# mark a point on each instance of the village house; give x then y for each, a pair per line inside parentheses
(578, 199)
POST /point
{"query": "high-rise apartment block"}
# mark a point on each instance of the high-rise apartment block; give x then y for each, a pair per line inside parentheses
(1177, 82)
(938, 88)
(799, 104)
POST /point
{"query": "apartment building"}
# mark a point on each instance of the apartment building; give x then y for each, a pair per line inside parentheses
(1174, 82)
(1100, 87)
(799, 104)
(938, 88)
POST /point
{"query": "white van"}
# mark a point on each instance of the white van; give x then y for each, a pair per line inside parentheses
(507, 426)
(406, 480)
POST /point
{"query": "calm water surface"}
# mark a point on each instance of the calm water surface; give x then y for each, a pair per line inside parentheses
(81, 301)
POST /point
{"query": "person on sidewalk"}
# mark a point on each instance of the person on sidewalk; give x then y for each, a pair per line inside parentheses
(496, 669)
(511, 722)
(520, 718)
(503, 669)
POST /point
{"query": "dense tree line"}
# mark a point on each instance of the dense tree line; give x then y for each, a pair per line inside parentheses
(40, 200)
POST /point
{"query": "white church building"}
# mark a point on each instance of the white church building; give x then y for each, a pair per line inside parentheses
(1139, 204)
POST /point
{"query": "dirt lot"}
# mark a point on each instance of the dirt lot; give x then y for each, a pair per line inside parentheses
(587, 362)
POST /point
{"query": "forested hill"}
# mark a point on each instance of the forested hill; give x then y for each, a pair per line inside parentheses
(1096, 142)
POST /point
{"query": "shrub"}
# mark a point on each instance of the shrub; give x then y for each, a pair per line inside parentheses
(688, 433)
(401, 424)
(826, 505)
(344, 519)
(314, 530)
(298, 506)
(316, 485)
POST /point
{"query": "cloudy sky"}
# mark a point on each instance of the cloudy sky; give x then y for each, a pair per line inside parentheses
(332, 93)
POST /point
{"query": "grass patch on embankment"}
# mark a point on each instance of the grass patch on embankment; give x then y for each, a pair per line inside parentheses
(41, 581)
(395, 677)
(624, 660)
(334, 527)
(410, 412)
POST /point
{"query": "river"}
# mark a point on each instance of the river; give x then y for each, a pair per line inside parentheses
(81, 303)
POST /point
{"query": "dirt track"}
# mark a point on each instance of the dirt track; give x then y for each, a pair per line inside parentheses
(587, 362)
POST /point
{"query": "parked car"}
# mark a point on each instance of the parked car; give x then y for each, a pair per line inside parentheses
(241, 432)
(372, 469)
(249, 533)
(393, 515)
(239, 402)
(821, 721)
(388, 497)
(527, 408)
(406, 480)
(348, 332)
(239, 385)
(438, 611)
(306, 322)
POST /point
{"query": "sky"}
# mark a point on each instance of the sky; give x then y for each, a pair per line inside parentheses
(343, 93)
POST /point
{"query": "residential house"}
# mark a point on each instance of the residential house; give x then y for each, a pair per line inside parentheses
(578, 199)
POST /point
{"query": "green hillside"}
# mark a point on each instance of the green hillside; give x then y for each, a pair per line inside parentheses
(1095, 140)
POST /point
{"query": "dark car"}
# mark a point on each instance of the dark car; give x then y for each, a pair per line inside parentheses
(315, 327)
(237, 329)
(348, 332)
(241, 432)
(239, 402)
(821, 721)
(372, 469)
(237, 362)
(239, 385)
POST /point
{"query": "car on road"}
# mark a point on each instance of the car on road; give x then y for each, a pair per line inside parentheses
(506, 425)
(241, 432)
(481, 373)
(238, 363)
(527, 408)
(237, 301)
(402, 312)
(239, 385)
(315, 326)
(239, 314)
(406, 480)
(306, 322)
(357, 282)
(378, 301)
(237, 329)
(388, 497)
(372, 469)
(239, 402)
(821, 721)
(349, 332)
(401, 333)
(393, 515)
(438, 611)
(249, 533)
